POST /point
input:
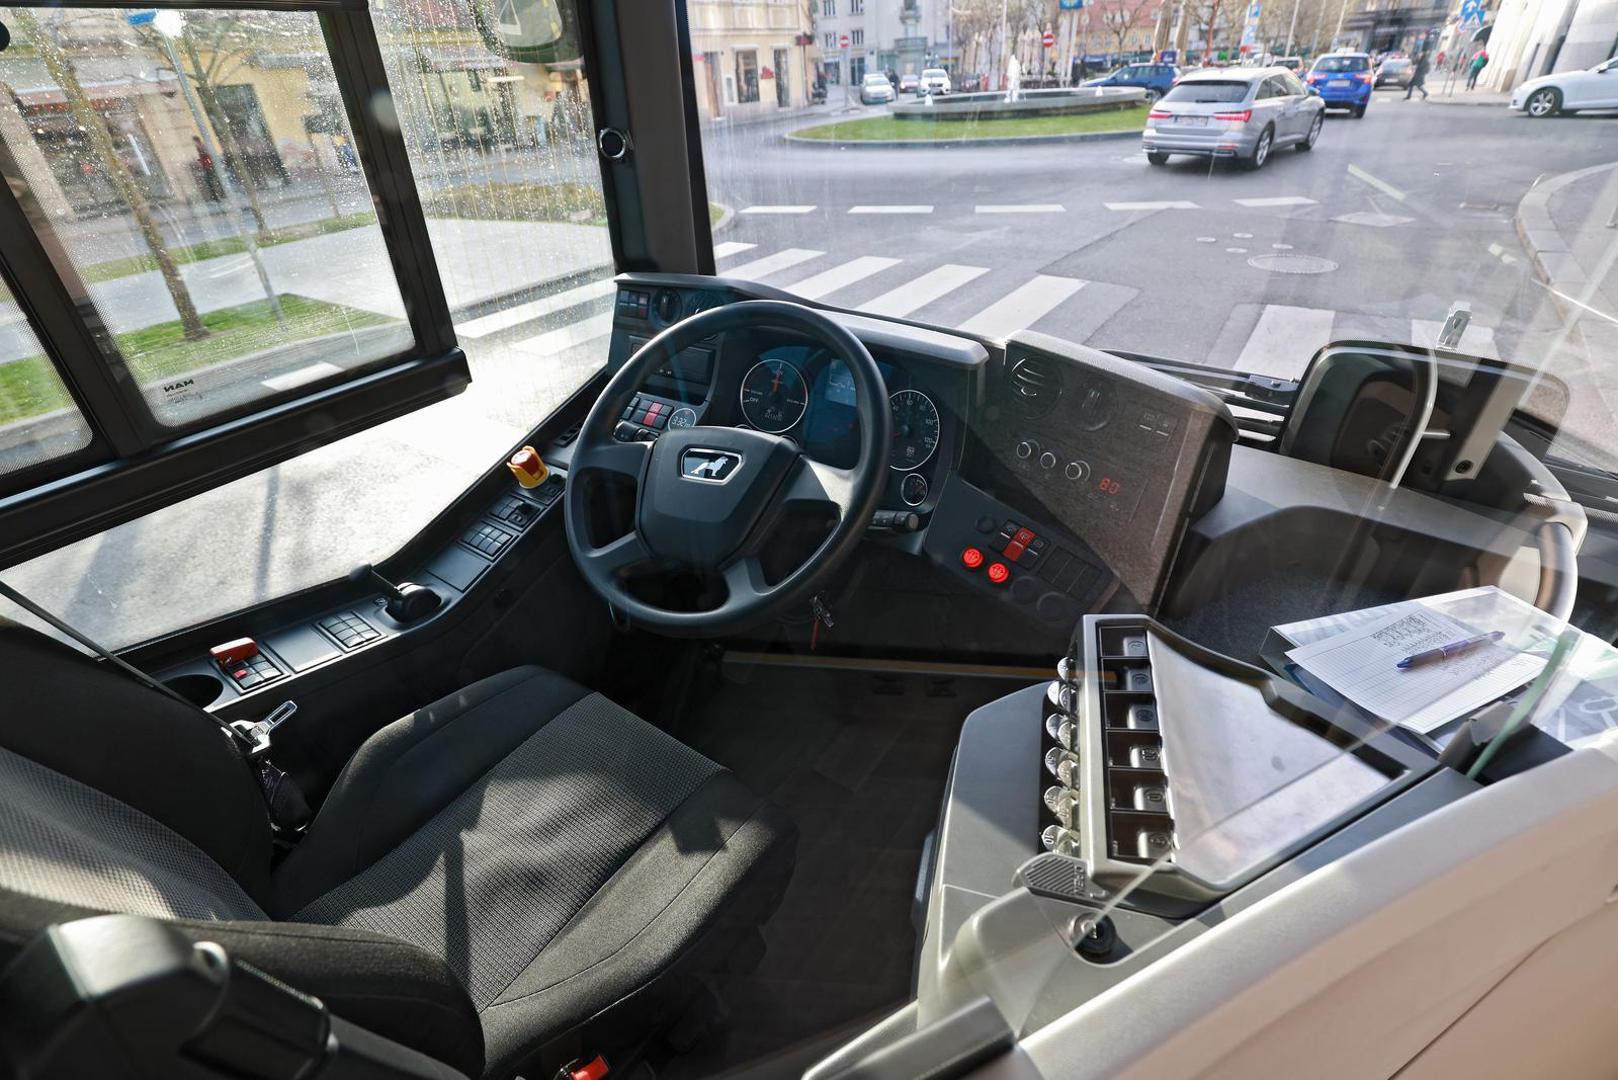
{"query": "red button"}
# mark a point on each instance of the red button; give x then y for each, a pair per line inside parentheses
(999, 572)
(1014, 551)
(971, 558)
(1023, 537)
(594, 1069)
(653, 409)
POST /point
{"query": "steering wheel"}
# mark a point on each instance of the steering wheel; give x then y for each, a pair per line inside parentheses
(707, 498)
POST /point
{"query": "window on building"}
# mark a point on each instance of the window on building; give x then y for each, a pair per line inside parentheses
(856, 70)
(856, 7)
(834, 72)
(857, 36)
(828, 8)
(829, 42)
(746, 75)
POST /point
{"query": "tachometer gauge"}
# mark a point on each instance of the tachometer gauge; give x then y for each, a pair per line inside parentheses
(915, 430)
(774, 396)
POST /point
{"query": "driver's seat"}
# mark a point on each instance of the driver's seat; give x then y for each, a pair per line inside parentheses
(517, 873)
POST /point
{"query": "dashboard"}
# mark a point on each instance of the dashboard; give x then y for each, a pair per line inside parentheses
(1053, 509)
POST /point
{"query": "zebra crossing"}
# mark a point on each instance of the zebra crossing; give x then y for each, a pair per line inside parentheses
(1262, 338)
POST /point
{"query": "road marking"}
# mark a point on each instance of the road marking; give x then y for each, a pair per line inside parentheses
(302, 375)
(496, 321)
(771, 264)
(1022, 306)
(1023, 208)
(1172, 205)
(731, 247)
(1381, 185)
(1373, 219)
(1476, 339)
(776, 209)
(566, 337)
(917, 294)
(829, 281)
(1277, 200)
(1284, 340)
(893, 209)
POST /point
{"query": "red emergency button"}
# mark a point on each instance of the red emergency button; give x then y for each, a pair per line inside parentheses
(971, 558)
(528, 468)
(999, 572)
(594, 1069)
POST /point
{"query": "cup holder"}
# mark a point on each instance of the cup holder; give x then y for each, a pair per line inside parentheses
(199, 689)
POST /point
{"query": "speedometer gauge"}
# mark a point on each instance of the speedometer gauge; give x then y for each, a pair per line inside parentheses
(915, 430)
(774, 396)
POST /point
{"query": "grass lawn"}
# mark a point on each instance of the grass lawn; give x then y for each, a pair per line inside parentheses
(211, 249)
(999, 127)
(715, 212)
(30, 386)
(579, 204)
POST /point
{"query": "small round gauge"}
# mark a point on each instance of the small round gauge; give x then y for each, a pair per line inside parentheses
(774, 396)
(913, 489)
(915, 430)
(683, 417)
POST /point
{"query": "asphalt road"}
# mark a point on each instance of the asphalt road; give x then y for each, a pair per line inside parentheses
(1402, 213)
(1377, 232)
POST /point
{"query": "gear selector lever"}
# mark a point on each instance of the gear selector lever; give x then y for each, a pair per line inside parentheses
(407, 601)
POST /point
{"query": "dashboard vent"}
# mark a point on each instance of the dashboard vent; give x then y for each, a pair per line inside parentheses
(1035, 385)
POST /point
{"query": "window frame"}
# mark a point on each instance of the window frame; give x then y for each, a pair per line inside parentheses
(134, 463)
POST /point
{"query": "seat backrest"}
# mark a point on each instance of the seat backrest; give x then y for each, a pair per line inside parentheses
(113, 759)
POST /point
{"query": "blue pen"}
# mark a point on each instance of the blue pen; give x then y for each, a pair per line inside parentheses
(1454, 648)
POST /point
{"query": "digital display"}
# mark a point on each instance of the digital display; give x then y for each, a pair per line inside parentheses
(831, 432)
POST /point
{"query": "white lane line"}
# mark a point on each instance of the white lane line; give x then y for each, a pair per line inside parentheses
(771, 264)
(731, 247)
(1171, 205)
(566, 337)
(829, 281)
(891, 209)
(1381, 185)
(1277, 200)
(1022, 208)
(1022, 306)
(775, 209)
(1476, 339)
(1284, 340)
(917, 294)
(496, 321)
(302, 375)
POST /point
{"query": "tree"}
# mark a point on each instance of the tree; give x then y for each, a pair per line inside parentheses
(1124, 18)
(108, 161)
(215, 45)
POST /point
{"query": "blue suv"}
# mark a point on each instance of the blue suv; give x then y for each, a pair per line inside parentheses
(1343, 80)
(1155, 79)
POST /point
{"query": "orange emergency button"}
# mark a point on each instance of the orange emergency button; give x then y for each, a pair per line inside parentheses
(998, 573)
(527, 467)
(971, 558)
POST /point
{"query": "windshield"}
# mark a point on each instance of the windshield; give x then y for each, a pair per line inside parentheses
(1342, 63)
(1206, 92)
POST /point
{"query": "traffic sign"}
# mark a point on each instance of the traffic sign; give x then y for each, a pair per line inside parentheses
(1170, 56)
(1049, 40)
(842, 42)
(1070, 5)
(140, 18)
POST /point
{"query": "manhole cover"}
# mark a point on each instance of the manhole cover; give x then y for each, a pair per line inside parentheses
(1292, 264)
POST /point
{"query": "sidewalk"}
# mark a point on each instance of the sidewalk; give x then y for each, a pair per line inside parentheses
(1458, 94)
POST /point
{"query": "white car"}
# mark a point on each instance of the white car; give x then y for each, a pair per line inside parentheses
(934, 81)
(876, 90)
(1569, 91)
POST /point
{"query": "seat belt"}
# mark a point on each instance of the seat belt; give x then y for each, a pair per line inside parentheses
(289, 810)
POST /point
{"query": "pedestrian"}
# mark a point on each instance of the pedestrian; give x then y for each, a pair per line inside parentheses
(1479, 62)
(211, 187)
(1418, 78)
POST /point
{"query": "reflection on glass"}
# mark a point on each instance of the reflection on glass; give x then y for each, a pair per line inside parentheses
(198, 172)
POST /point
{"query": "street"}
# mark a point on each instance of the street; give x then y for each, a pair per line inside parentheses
(1375, 234)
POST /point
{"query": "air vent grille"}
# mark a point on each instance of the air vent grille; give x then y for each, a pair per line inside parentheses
(1035, 384)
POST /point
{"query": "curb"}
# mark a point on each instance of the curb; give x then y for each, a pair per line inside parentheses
(934, 144)
(1552, 259)
(1496, 103)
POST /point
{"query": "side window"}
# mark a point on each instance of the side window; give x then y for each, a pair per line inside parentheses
(38, 418)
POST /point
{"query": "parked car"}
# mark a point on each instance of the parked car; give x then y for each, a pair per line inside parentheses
(1394, 71)
(934, 81)
(1343, 80)
(1242, 113)
(1291, 63)
(1155, 79)
(876, 90)
(909, 83)
(1569, 91)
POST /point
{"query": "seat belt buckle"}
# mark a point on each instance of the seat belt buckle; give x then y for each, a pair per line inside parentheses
(579, 1069)
(257, 732)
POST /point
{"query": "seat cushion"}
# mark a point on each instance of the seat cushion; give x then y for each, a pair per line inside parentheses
(558, 859)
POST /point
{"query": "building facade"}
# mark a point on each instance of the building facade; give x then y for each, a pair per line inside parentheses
(1530, 38)
(898, 36)
(752, 57)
